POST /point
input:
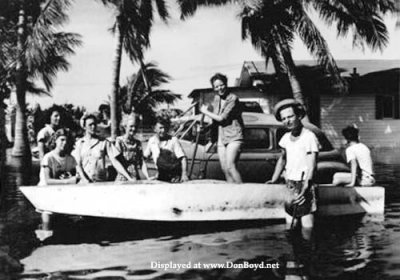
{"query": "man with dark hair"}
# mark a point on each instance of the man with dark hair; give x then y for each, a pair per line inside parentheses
(359, 157)
(167, 153)
(299, 159)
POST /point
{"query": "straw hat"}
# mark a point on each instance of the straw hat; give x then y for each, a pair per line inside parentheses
(290, 102)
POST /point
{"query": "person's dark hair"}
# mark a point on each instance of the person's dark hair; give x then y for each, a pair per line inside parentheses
(162, 120)
(218, 76)
(350, 133)
(89, 116)
(62, 132)
(52, 109)
(104, 107)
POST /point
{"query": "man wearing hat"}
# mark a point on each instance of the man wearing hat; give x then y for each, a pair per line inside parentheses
(299, 159)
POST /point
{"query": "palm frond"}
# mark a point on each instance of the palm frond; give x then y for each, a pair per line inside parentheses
(162, 9)
(363, 18)
(318, 47)
(189, 7)
(33, 89)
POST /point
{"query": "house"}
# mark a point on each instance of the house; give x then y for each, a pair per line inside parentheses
(371, 103)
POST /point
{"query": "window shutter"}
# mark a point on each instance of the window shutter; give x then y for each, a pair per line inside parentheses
(378, 107)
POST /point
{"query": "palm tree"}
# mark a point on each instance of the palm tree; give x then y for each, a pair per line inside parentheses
(272, 25)
(36, 51)
(136, 96)
(132, 26)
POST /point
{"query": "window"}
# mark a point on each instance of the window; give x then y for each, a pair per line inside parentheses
(387, 106)
(256, 138)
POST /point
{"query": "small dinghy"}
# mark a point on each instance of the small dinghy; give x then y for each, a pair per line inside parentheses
(201, 200)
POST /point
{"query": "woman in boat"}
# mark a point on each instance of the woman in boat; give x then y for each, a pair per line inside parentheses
(130, 149)
(91, 152)
(58, 167)
(228, 116)
(44, 135)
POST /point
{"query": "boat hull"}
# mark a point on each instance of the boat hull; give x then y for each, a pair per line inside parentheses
(203, 200)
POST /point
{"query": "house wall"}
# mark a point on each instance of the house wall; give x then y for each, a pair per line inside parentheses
(339, 112)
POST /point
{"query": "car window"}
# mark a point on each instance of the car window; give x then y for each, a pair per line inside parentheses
(251, 106)
(256, 138)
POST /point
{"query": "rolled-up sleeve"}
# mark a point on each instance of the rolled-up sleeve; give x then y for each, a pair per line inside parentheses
(111, 150)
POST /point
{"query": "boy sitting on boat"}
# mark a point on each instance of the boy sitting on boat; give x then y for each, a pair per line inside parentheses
(299, 159)
(167, 153)
(359, 157)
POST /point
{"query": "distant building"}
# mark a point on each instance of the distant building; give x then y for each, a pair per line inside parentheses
(372, 103)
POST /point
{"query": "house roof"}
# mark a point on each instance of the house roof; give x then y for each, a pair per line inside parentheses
(387, 81)
(363, 66)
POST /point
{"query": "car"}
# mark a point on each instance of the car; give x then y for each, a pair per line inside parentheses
(260, 151)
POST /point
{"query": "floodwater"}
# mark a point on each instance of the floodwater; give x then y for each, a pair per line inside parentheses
(348, 248)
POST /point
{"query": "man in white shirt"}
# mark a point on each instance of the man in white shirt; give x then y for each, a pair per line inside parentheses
(358, 156)
(299, 159)
(167, 153)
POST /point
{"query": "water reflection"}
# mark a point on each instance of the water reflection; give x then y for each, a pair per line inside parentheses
(350, 248)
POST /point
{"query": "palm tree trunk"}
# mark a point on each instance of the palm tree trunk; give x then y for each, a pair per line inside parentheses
(115, 90)
(284, 52)
(21, 144)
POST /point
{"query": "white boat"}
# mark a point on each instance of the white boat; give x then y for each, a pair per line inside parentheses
(202, 200)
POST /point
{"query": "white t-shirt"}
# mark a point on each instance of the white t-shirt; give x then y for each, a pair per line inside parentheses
(297, 151)
(362, 155)
(57, 165)
(154, 145)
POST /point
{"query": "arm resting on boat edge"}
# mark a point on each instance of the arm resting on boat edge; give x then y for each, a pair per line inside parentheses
(280, 165)
(353, 168)
(120, 168)
(145, 171)
(62, 181)
(184, 176)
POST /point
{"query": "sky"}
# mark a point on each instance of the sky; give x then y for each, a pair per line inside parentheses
(190, 51)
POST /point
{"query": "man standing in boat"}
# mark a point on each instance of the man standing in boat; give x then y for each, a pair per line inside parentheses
(167, 153)
(299, 159)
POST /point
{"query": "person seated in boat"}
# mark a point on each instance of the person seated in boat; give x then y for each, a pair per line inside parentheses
(228, 118)
(44, 135)
(57, 167)
(167, 153)
(299, 159)
(91, 152)
(359, 157)
(130, 149)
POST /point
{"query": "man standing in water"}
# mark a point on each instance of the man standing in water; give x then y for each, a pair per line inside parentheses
(299, 159)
